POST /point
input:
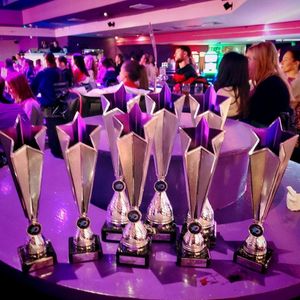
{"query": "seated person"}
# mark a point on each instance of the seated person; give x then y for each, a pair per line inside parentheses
(80, 72)
(4, 97)
(134, 75)
(20, 91)
(66, 71)
(44, 82)
(110, 75)
(233, 81)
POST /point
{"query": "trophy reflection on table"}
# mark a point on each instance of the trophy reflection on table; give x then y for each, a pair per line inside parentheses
(201, 147)
(79, 143)
(24, 145)
(134, 147)
(268, 163)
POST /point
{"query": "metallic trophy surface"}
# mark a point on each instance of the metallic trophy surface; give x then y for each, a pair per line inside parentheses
(79, 144)
(200, 147)
(118, 208)
(160, 212)
(214, 109)
(24, 145)
(134, 147)
(268, 163)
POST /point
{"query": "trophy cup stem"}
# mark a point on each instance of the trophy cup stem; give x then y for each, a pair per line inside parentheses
(36, 246)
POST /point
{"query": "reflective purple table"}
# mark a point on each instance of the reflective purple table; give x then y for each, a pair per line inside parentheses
(163, 279)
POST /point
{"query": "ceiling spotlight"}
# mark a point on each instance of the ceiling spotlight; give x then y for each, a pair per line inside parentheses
(111, 24)
(105, 14)
(228, 5)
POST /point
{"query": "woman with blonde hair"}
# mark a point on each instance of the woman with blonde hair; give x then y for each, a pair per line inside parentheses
(270, 96)
(20, 90)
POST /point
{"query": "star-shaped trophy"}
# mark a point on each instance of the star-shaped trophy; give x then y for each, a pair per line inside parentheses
(160, 212)
(268, 163)
(134, 146)
(79, 143)
(200, 148)
(24, 145)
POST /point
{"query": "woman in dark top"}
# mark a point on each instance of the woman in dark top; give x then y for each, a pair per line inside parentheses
(270, 97)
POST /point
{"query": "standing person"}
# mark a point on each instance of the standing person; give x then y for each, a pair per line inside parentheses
(44, 82)
(20, 91)
(270, 97)
(233, 81)
(185, 72)
(118, 63)
(66, 71)
(290, 65)
(147, 61)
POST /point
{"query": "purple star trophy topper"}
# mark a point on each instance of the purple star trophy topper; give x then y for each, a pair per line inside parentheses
(268, 163)
(24, 145)
(118, 208)
(134, 145)
(79, 144)
(160, 212)
(200, 148)
(215, 108)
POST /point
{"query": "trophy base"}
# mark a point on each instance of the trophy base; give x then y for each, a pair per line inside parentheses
(210, 236)
(139, 259)
(78, 255)
(188, 259)
(111, 233)
(164, 233)
(30, 264)
(260, 265)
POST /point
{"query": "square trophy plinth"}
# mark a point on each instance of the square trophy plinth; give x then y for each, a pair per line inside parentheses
(210, 236)
(77, 254)
(111, 233)
(259, 264)
(31, 264)
(188, 259)
(139, 259)
(164, 233)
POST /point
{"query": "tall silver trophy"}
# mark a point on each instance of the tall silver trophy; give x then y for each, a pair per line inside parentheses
(268, 163)
(134, 146)
(200, 148)
(24, 145)
(79, 143)
(160, 212)
(118, 208)
(214, 109)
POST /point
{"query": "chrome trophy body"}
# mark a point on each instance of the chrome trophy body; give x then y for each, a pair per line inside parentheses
(79, 144)
(134, 147)
(200, 146)
(160, 212)
(118, 207)
(268, 163)
(24, 145)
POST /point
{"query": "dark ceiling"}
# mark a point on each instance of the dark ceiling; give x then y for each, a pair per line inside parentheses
(20, 4)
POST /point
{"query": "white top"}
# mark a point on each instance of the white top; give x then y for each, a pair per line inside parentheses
(229, 92)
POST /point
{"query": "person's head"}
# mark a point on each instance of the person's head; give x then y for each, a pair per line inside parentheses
(38, 62)
(144, 59)
(89, 61)
(55, 44)
(119, 59)
(182, 54)
(262, 61)
(50, 60)
(132, 71)
(108, 63)
(78, 61)
(9, 64)
(19, 88)
(62, 62)
(290, 63)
